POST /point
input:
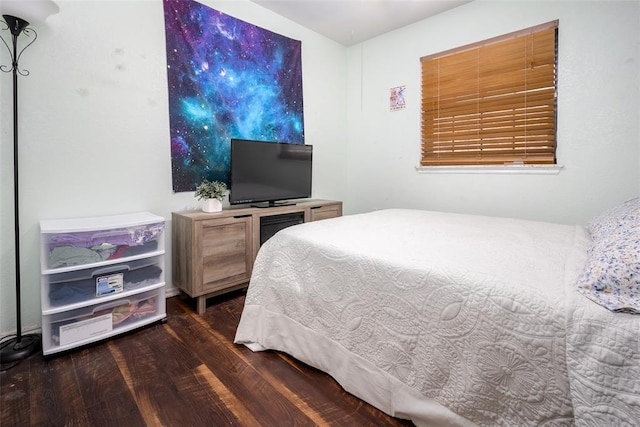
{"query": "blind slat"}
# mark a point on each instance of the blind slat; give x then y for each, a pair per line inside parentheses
(495, 118)
(490, 148)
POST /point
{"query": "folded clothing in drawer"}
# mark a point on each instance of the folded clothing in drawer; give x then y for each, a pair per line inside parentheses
(86, 247)
(81, 285)
(77, 325)
(129, 236)
(69, 256)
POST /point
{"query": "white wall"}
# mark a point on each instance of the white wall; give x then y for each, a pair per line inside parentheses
(94, 128)
(598, 110)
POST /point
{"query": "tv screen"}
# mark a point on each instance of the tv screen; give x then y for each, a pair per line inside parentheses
(263, 171)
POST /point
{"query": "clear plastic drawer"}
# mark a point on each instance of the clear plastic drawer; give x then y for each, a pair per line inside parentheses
(88, 324)
(78, 286)
(99, 240)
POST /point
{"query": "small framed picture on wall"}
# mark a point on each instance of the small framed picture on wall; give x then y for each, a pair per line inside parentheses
(396, 98)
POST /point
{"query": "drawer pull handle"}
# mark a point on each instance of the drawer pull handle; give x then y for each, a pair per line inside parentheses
(112, 305)
(111, 269)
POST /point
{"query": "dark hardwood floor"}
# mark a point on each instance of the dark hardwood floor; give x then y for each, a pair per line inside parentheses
(185, 372)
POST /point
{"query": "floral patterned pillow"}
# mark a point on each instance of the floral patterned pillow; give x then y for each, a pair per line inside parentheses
(612, 274)
(616, 219)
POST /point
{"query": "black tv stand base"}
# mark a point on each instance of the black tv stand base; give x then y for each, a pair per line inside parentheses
(272, 204)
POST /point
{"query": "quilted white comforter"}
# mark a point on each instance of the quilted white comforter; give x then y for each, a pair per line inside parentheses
(447, 319)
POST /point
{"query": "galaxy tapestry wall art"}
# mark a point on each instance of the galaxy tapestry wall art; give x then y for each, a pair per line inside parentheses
(227, 79)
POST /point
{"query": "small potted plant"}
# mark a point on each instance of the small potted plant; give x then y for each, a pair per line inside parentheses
(212, 192)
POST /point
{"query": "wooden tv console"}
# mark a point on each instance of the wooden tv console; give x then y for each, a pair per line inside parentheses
(213, 253)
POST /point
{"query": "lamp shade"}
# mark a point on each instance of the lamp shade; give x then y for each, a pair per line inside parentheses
(32, 11)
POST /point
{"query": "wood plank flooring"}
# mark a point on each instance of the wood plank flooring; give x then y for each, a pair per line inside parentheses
(185, 372)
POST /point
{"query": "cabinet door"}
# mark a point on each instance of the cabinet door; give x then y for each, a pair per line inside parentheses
(326, 211)
(225, 247)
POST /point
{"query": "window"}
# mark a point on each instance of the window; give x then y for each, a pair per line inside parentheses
(492, 102)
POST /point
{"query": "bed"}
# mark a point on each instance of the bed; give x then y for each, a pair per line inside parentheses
(457, 320)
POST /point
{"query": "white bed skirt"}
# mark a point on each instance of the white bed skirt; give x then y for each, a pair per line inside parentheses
(355, 374)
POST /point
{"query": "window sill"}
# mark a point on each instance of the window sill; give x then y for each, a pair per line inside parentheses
(494, 169)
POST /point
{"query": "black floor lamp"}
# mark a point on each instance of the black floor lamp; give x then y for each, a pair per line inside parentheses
(17, 14)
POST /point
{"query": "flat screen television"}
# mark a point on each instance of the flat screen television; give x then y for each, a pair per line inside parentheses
(269, 173)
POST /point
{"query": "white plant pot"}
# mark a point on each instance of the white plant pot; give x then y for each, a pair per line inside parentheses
(211, 205)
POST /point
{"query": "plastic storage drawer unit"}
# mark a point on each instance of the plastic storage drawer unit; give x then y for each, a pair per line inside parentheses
(100, 276)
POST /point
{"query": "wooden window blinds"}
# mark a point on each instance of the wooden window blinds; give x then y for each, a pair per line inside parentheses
(492, 102)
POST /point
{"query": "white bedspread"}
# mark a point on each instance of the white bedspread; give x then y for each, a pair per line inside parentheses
(603, 358)
(445, 319)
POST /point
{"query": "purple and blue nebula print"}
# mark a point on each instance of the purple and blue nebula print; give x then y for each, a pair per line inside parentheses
(227, 79)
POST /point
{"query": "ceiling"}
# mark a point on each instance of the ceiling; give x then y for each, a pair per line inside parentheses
(350, 22)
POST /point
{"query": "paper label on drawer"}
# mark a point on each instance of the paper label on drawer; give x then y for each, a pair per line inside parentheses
(111, 284)
(86, 329)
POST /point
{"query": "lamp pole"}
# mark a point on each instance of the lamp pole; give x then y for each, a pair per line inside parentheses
(20, 347)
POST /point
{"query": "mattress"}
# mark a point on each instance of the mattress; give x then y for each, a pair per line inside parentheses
(444, 319)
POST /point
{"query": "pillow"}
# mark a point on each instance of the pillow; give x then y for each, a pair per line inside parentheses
(620, 217)
(612, 274)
